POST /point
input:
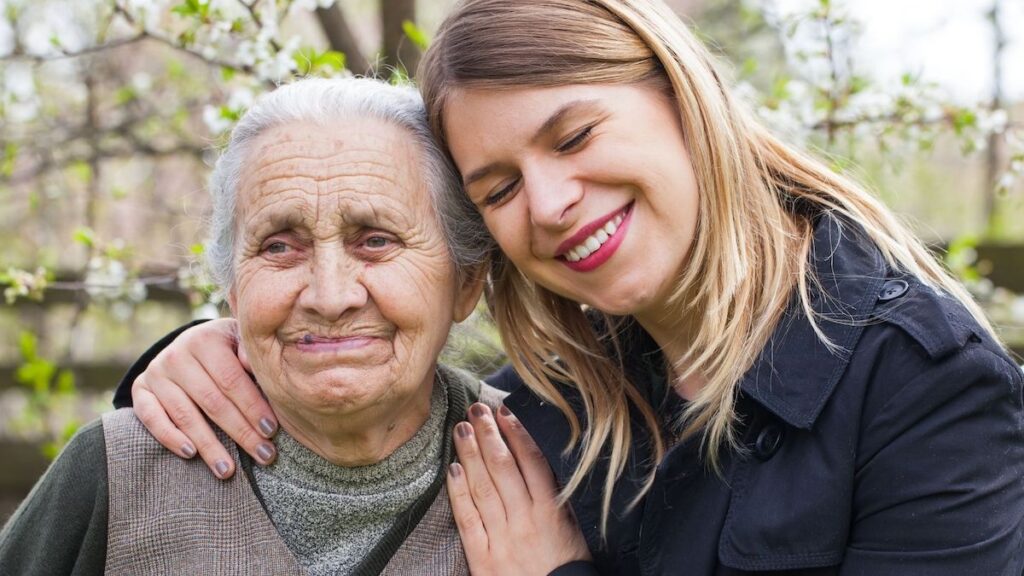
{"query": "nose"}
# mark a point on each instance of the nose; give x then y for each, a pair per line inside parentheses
(335, 284)
(552, 195)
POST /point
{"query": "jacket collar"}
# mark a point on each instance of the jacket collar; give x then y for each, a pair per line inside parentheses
(796, 372)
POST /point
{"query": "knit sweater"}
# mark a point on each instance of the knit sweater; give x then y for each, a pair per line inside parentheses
(303, 494)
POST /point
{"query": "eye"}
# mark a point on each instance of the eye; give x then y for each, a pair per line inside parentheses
(499, 195)
(577, 139)
(276, 248)
(377, 242)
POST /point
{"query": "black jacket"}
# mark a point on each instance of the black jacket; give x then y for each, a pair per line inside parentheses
(900, 453)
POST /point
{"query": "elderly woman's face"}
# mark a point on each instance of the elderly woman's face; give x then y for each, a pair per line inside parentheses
(344, 290)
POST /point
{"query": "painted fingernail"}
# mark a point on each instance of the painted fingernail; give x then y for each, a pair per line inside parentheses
(455, 470)
(478, 410)
(504, 411)
(265, 452)
(222, 468)
(188, 450)
(464, 430)
(268, 427)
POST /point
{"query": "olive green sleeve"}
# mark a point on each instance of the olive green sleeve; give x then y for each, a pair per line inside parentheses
(61, 527)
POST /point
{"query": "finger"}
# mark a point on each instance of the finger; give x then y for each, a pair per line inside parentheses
(187, 417)
(481, 488)
(501, 464)
(537, 474)
(184, 372)
(243, 359)
(215, 349)
(467, 518)
(155, 419)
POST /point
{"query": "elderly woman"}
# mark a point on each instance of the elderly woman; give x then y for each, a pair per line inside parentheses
(344, 283)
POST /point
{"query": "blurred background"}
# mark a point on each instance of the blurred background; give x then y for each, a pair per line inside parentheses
(111, 112)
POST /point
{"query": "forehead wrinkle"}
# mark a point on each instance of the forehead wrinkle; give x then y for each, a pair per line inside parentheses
(359, 208)
(279, 213)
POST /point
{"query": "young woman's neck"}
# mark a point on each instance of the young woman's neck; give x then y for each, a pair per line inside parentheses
(671, 328)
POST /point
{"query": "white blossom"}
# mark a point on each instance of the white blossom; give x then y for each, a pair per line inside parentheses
(215, 121)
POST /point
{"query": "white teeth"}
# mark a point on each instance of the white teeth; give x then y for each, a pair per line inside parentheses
(591, 244)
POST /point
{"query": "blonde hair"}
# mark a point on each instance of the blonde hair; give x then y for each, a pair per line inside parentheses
(757, 200)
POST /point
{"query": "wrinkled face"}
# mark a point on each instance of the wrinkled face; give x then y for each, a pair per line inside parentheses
(588, 189)
(344, 290)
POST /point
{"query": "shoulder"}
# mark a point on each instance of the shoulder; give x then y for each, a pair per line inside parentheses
(916, 332)
(61, 525)
(491, 396)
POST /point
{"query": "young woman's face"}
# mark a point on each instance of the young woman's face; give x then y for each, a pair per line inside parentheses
(588, 189)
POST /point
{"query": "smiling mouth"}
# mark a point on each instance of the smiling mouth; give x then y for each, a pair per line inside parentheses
(314, 343)
(595, 242)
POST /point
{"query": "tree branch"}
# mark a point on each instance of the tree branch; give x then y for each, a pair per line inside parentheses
(340, 37)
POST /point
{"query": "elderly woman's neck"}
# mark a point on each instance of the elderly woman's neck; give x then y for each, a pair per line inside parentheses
(357, 439)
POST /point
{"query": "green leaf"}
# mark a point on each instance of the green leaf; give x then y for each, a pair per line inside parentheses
(27, 344)
(964, 118)
(186, 8)
(65, 382)
(10, 155)
(124, 95)
(308, 61)
(416, 34)
(85, 236)
(81, 171)
(748, 68)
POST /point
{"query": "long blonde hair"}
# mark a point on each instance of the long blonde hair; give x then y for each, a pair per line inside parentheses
(757, 198)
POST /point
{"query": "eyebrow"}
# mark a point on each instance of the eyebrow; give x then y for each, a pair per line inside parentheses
(552, 121)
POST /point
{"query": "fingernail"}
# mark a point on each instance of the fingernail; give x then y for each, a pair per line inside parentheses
(455, 470)
(265, 452)
(268, 427)
(464, 430)
(478, 410)
(188, 450)
(222, 468)
(504, 411)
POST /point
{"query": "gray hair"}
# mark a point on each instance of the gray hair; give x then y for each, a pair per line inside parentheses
(324, 101)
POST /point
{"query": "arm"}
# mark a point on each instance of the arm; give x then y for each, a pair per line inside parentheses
(61, 526)
(938, 487)
(192, 372)
(504, 502)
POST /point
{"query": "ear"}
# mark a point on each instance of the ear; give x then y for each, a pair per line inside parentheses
(468, 293)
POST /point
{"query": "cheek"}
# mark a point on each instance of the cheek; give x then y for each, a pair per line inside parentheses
(418, 300)
(510, 228)
(265, 299)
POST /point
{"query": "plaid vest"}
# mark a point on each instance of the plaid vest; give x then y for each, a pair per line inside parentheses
(172, 516)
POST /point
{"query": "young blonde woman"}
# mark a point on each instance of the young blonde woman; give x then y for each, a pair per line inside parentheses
(735, 360)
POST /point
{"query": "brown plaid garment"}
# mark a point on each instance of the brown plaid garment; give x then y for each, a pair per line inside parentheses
(171, 516)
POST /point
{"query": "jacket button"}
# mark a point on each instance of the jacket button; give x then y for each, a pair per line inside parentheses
(893, 289)
(768, 441)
